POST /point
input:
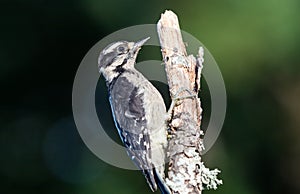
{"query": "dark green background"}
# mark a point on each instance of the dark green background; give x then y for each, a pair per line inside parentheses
(255, 43)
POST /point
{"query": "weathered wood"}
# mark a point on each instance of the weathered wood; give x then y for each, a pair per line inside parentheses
(183, 74)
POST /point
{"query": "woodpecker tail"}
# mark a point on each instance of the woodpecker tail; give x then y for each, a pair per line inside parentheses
(164, 189)
(150, 177)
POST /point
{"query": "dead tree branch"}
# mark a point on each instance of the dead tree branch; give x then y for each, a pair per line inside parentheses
(183, 73)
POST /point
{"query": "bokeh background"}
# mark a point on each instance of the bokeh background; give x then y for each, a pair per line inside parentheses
(255, 43)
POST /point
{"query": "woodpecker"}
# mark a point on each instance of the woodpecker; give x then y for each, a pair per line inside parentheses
(138, 110)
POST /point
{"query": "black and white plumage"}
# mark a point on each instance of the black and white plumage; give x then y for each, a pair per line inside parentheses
(138, 110)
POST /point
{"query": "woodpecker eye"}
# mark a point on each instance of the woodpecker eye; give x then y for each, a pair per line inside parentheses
(121, 49)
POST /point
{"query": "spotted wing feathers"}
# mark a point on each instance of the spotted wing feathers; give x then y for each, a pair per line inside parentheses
(129, 117)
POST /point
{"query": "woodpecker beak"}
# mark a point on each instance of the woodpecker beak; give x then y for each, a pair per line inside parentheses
(139, 44)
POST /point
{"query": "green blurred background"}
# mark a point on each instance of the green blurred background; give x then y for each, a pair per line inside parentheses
(255, 43)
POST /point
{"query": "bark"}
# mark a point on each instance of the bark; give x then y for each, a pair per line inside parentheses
(183, 74)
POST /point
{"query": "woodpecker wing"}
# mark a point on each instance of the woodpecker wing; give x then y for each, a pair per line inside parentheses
(126, 102)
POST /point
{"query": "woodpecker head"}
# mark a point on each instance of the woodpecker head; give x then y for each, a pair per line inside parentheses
(117, 57)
